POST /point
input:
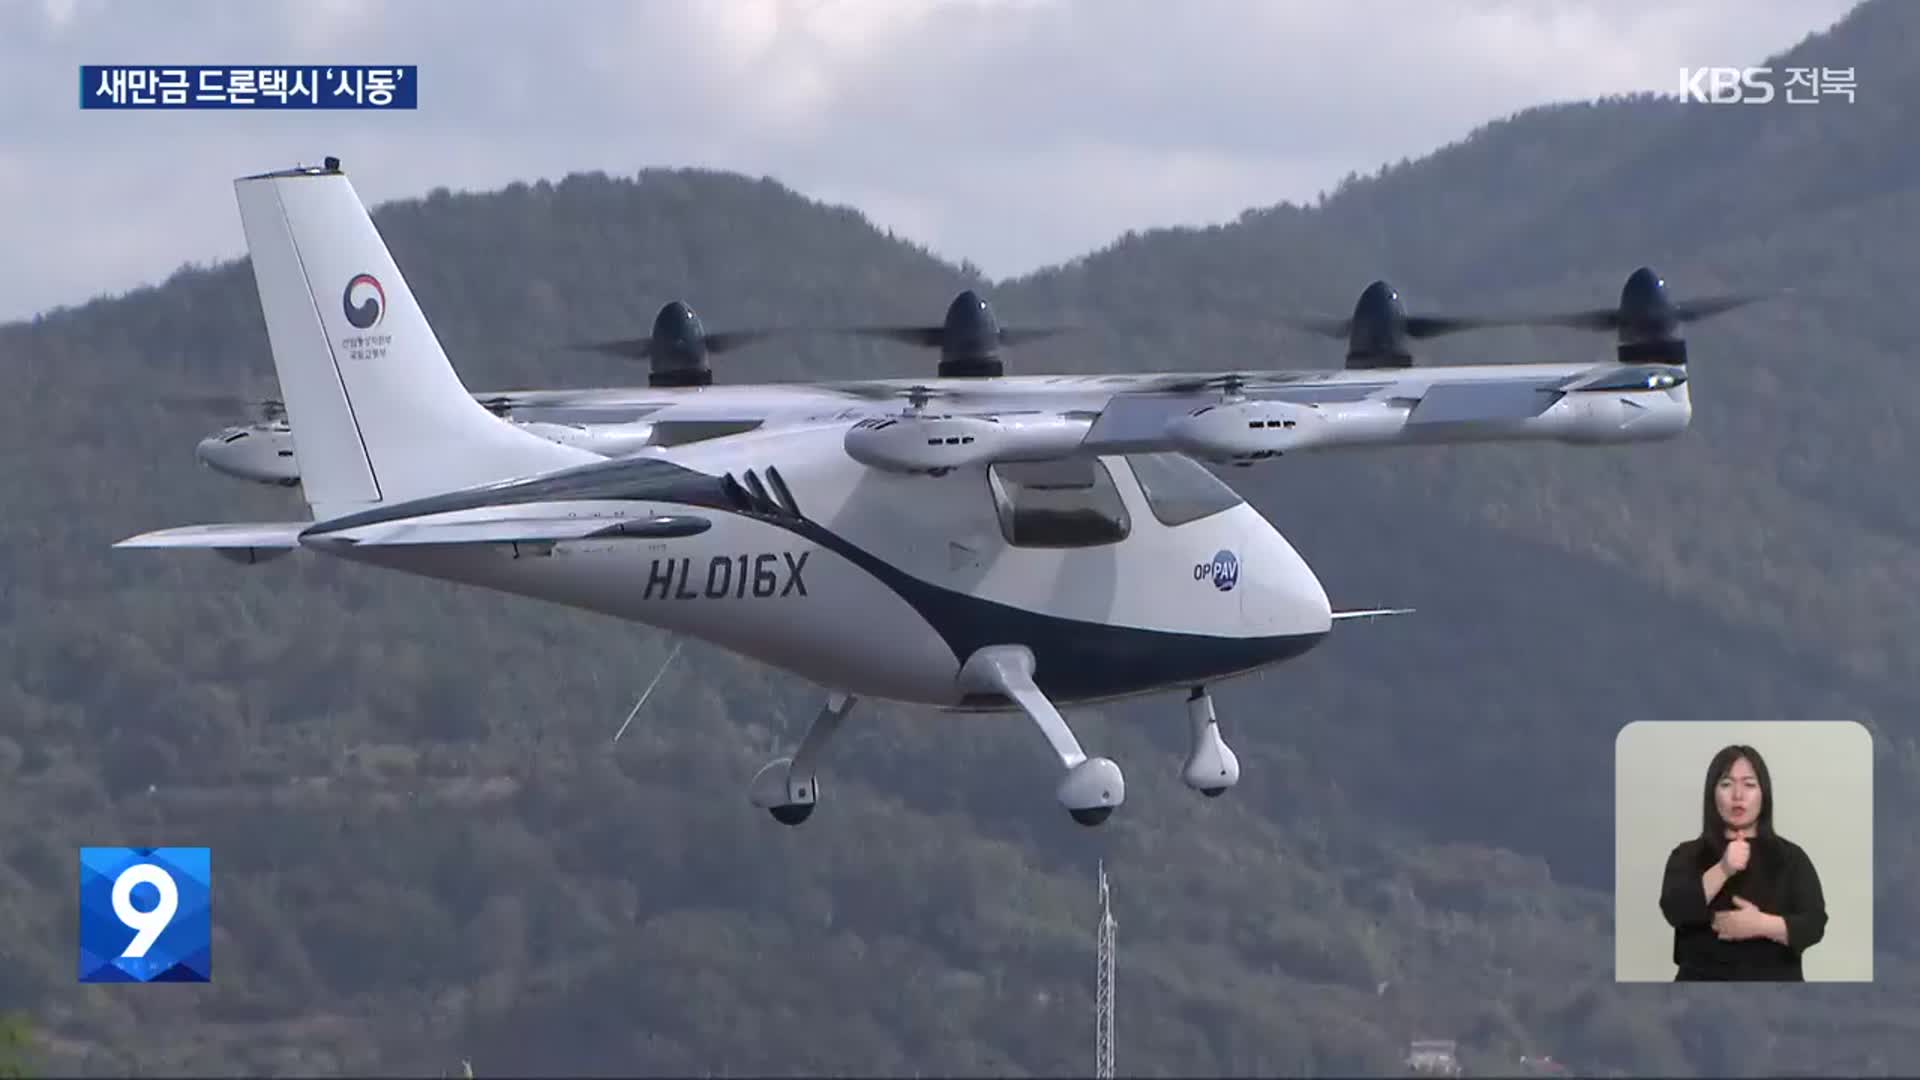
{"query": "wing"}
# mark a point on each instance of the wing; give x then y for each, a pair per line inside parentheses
(1242, 417)
(1230, 416)
(235, 536)
(503, 527)
(241, 542)
(500, 524)
(874, 397)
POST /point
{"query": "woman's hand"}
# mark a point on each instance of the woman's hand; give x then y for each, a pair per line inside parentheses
(1734, 859)
(1744, 922)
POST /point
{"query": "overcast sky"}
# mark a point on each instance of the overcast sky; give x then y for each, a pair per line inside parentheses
(1015, 133)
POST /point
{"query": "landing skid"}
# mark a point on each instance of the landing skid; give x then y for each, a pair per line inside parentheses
(787, 787)
(1093, 787)
(1212, 767)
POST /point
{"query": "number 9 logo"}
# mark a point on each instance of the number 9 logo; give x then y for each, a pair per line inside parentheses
(149, 925)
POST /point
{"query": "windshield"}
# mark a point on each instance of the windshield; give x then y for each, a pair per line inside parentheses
(1180, 489)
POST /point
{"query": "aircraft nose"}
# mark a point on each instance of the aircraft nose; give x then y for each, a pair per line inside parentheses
(1280, 592)
(208, 451)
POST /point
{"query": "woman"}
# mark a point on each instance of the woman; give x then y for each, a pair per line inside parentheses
(1743, 901)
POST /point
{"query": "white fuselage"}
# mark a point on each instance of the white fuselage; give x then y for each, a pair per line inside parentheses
(886, 583)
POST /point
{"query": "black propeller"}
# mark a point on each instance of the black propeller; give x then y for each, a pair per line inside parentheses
(1380, 332)
(270, 410)
(678, 347)
(969, 340)
(1648, 320)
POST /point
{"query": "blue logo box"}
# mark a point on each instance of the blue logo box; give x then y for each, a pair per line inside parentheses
(249, 86)
(146, 914)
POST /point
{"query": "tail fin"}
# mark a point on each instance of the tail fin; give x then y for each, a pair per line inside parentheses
(377, 412)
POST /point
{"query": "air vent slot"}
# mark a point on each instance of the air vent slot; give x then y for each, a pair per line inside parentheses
(762, 501)
(782, 494)
(736, 494)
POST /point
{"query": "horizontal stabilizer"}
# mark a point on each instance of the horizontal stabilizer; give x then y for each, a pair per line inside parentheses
(518, 530)
(284, 535)
(1371, 613)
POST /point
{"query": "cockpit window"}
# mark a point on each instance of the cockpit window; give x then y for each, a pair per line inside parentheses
(1068, 502)
(1180, 489)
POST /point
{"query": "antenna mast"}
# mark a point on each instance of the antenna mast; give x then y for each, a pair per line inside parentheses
(1103, 987)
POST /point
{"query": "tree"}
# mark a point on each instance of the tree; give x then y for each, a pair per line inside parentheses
(16, 1045)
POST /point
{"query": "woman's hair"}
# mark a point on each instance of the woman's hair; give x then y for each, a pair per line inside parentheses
(1713, 829)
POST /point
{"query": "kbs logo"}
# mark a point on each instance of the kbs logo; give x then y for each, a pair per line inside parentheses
(146, 915)
(372, 305)
(1223, 571)
(1756, 85)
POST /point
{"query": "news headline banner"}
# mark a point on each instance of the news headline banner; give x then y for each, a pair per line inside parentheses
(141, 86)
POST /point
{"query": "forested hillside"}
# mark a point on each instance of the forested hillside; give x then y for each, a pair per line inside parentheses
(427, 849)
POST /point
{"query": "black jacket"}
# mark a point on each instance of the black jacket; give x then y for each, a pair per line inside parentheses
(1779, 880)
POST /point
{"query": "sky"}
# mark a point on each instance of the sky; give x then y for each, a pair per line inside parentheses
(1014, 134)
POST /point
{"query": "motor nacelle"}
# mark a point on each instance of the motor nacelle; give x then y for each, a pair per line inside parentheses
(261, 453)
(1246, 430)
(1636, 403)
(925, 444)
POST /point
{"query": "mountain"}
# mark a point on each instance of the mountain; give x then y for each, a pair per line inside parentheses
(425, 848)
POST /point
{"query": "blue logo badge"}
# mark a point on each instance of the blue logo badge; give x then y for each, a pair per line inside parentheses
(1223, 571)
(146, 914)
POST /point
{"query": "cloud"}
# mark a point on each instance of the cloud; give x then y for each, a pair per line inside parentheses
(1014, 133)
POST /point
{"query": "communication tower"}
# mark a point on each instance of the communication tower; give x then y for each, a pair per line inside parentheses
(1103, 987)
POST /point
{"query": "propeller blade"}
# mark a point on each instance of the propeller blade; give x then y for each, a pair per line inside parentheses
(1707, 307)
(1610, 318)
(933, 337)
(1417, 326)
(1325, 327)
(643, 348)
(269, 409)
(1606, 318)
(631, 348)
(1028, 334)
(727, 340)
(1431, 326)
(924, 336)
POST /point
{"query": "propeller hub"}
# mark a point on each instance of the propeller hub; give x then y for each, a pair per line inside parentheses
(678, 348)
(970, 339)
(1378, 335)
(1649, 324)
(1646, 311)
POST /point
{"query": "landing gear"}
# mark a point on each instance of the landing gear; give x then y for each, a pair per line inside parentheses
(1092, 787)
(1211, 766)
(787, 787)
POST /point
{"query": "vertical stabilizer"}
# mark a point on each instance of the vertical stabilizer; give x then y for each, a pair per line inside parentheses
(377, 412)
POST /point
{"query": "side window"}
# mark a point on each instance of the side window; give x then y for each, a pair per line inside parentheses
(1180, 489)
(1069, 502)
